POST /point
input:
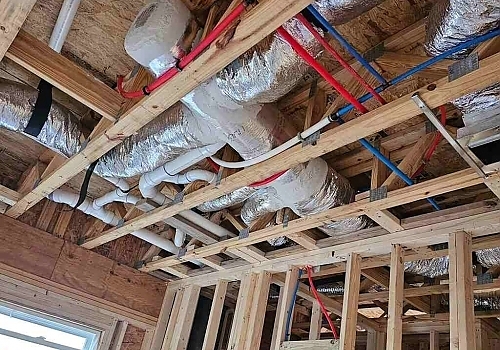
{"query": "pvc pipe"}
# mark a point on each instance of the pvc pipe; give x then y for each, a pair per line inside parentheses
(345, 44)
(115, 196)
(63, 24)
(344, 110)
(107, 216)
(121, 183)
(192, 157)
(179, 238)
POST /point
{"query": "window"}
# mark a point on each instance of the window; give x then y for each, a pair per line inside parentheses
(28, 330)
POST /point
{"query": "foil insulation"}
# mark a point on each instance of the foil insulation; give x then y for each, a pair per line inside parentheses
(271, 69)
(171, 134)
(331, 289)
(61, 132)
(307, 189)
(489, 257)
(429, 267)
(155, 39)
(480, 100)
(236, 197)
(452, 22)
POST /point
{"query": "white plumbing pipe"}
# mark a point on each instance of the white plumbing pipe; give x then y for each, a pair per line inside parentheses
(179, 238)
(71, 199)
(115, 196)
(192, 157)
(63, 24)
(118, 182)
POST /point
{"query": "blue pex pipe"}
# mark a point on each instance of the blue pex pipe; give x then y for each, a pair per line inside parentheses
(290, 309)
(345, 44)
(473, 42)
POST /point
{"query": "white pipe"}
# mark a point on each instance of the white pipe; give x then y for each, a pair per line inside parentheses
(71, 199)
(192, 157)
(115, 196)
(120, 183)
(179, 238)
(63, 24)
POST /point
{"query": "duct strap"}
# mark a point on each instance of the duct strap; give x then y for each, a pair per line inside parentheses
(85, 185)
(41, 111)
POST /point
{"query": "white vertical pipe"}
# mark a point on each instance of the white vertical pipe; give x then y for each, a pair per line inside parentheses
(63, 24)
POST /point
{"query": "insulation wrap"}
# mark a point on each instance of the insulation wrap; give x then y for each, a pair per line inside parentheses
(429, 267)
(479, 101)
(271, 69)
(61, 131)
(236, 197)
(452, 22)
(171, 134)
(489, 257)
(155, 39)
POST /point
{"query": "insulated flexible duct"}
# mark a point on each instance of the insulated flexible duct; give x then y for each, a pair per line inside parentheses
(429, 267)
(271, 69)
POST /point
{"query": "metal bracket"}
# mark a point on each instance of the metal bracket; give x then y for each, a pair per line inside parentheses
(120, 223)
(441, 128)
(181, 253)
(374, 53)
(218, 179)
(484, 278)
(463, 67)
(179, 198)
(245, 233)
(429, 127)
(286, 219)
(311, 140)
(80, 241)
(378, 193)
(139, 264)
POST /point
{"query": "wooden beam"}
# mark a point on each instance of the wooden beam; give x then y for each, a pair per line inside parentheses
(308, 345)
(13, 13)
(367, 124)
(461, 292)
(396, 288)
(121, 329)
(375, 340)
(172, 320)
(254, 26)
(215, 316)
(8, 196)
(316, 322)
(283, 312)
(350, 306)
(422, 190)
(162, 323)
(434, 340)
(184, 322)
(258, 311)
(400, 62)
(40, 59)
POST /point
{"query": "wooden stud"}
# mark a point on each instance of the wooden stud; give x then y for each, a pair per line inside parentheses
(120, 330)
(8, 196)
(185, 318)
(283, 312)
(461, 291)
(481, 335)
(162, 322)
(13, 13)
(375, 340)
(172, 320)
(279, 306)
(48, 211)
(396, 288)
(350, 306)
(258, 311)
(62, 222)
(434, 340)
(215, 315)
(316, 322)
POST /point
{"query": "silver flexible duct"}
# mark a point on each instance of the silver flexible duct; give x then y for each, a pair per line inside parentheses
(61, 132)
(452, 22)
(307, 189)
(430, 267)
(271, 69)
(489, 257)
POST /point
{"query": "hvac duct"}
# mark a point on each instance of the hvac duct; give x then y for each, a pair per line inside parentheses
(429, 267)
(307, 189)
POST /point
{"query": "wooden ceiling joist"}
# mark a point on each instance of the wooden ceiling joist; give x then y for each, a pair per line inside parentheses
(254, 26)
(383, 117)
(13, 13)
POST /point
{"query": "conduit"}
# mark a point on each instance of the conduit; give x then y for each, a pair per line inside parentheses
(63, 24)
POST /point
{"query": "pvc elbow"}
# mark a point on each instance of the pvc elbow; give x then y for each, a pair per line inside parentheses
(180, 237)
(147, 187)
(120, 183)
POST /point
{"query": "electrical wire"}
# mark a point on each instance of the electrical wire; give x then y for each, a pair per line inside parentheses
(320, 303)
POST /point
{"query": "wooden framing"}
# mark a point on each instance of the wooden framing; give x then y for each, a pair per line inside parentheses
(366, 252)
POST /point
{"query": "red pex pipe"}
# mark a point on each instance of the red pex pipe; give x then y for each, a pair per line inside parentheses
(339, 58)
(321, 305)
(186, 60)
(321, 70)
